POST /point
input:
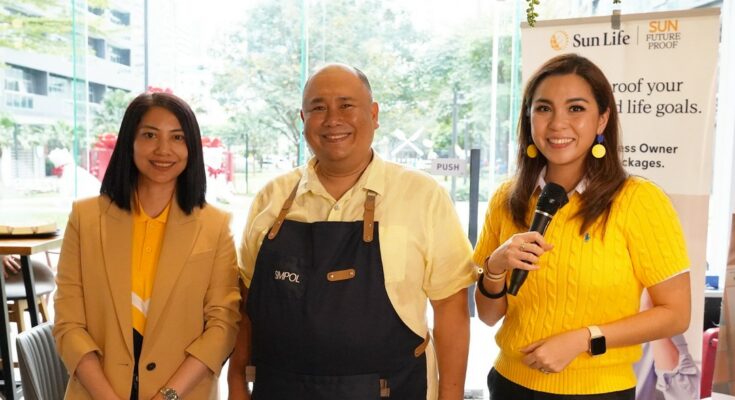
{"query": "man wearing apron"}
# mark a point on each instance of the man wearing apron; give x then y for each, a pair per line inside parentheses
(339, 258)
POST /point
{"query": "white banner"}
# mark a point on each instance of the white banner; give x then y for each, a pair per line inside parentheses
(662, 67)
(663, 70)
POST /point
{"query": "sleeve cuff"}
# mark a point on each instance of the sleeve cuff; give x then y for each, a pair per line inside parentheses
(73, 346)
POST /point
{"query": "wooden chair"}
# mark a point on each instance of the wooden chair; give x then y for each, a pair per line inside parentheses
(16, 292)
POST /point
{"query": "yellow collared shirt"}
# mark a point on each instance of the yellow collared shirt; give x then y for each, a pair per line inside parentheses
(425, 252)
(147, 240)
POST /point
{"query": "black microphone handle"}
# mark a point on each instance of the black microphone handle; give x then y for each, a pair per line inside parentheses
(541, 221)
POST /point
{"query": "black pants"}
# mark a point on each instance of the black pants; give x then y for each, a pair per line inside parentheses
(503, 389)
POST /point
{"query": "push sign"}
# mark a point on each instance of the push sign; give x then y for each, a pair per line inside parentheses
(449, 166)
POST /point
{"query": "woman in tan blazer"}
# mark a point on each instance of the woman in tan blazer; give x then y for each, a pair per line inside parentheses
(147, 300)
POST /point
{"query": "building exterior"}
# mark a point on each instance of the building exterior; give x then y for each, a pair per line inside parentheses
(103, 52)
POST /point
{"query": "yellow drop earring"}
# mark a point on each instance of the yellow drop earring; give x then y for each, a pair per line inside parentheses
(532, 151)
(598, 150)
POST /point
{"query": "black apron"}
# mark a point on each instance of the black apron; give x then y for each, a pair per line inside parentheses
(323, 325)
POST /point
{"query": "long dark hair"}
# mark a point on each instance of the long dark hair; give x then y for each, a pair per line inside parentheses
(605, 176)
(121, 177)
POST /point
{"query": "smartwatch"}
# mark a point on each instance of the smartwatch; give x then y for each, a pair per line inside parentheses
(597, 341)
(169, 394)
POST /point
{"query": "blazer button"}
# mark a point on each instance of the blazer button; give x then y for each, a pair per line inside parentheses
(150, 366)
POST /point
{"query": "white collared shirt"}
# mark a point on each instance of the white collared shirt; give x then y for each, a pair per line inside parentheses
(580, 188)
(424, 249)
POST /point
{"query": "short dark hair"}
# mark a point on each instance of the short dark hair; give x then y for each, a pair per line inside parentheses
(121, 177)
(605, 176)
(360, 75)
(364, 80)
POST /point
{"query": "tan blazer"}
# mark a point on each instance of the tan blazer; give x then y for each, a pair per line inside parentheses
(194, 307)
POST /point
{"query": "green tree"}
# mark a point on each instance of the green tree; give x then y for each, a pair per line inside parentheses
(7, 124)
(107, 118)
(38, 25)
(380, 38)
(413, 74)
(23, 31)
(261, 79)
(260, 76)
(462, 64)
(242, 130)
(6, 130)
(56, 135)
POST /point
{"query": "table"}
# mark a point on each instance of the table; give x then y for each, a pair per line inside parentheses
(24, 248)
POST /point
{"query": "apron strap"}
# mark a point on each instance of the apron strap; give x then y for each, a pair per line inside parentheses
(250, 374)
(384, 389)
(368, 217)
(282, 215)
(422, 347)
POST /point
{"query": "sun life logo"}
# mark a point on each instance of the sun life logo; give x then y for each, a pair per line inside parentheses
(559, 40)
(663, 34)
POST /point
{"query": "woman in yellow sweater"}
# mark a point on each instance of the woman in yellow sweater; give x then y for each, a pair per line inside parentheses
(574, 329)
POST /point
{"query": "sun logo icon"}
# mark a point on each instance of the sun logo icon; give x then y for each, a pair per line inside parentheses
(559, 40)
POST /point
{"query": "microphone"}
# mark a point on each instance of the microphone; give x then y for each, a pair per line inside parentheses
(551, 199)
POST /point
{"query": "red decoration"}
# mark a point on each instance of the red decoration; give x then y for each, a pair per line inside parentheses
(154, 89)
(58, 171)
(210, 142)
(213, 172)
(106, 141)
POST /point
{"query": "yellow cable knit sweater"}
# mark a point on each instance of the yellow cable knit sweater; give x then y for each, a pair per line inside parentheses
(584, 281)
